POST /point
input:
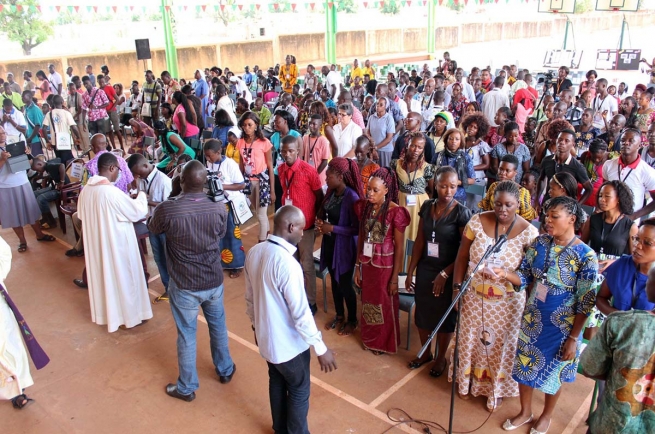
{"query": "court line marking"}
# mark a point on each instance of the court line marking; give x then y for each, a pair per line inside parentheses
(393, 389)
(579, 415)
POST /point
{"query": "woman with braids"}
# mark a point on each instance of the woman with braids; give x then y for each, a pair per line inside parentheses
(593, 161)
(562, 271)
(415, 183)
(365, 155)
(454, 156)
(257, 165)
(491, 308)
(337, 222)
(380, 252)
(441, 225)
(184, 118)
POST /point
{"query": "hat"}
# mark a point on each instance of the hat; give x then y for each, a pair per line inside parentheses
(445, 116)
(236, 131)
(233, 79)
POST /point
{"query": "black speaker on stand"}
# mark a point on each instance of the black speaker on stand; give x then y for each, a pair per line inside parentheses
(143, 51)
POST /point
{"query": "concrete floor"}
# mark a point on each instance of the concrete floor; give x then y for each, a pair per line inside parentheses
(98, 382)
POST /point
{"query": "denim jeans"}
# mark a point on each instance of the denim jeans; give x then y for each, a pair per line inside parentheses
(288, 391)
(44, 196)
(158, 245)
(184, 305)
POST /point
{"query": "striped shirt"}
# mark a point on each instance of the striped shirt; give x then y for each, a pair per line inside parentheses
(194, 226)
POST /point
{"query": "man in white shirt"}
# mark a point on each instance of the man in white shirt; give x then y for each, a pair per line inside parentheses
(158, 187)
(13, 122)
(493, 100)
(282, 321)
(242, 89)
(332, 82)
(603, 102)
(467, 89)
(55, 80)
(635, 172)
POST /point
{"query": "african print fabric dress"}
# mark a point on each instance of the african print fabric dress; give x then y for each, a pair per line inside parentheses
(380, 324)
(233, 255)
(569, 275)
(412, 192)
(490, 319)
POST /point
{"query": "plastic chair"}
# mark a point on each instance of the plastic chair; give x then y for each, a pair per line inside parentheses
(407, 303)
(475, 189)
(67, 204)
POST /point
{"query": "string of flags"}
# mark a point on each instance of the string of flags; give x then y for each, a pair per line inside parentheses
(274, 6)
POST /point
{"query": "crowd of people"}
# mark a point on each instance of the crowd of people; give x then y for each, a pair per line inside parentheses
(427, 168)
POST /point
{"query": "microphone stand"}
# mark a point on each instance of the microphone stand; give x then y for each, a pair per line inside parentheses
(494, 248)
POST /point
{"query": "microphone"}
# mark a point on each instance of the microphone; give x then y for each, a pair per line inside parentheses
(499, 244)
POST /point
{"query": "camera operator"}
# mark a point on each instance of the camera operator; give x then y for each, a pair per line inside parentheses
(225, 183)
(562, 82)
(194, 226)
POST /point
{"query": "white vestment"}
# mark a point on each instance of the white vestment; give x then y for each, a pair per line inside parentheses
(14, 364)
(117, 288)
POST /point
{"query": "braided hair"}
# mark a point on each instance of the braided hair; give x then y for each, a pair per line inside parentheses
(566, 182)
(388, 178)
(571, 206)
(509, 187)
(416, 135)
(348, 169)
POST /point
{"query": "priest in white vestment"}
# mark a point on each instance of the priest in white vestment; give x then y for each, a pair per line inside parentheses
(14, 364)
(118, 292)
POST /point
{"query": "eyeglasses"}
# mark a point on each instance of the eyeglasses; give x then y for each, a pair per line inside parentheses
(642, 241)
(343, 114)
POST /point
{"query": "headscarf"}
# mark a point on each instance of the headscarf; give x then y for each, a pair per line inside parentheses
(236, 131)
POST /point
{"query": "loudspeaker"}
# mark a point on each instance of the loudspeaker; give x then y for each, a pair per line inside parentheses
(262, 31)
(142, 49)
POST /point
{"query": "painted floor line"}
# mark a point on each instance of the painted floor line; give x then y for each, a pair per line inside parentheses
(393, 389)
(579, 415)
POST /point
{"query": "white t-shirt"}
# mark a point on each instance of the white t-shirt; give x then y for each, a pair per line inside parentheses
(157, 186)
(333, 78)
(242, 87)
(477, 152)
(54, 81)
(600, 105)
(346, 138)
(63, 121)
(11, 131)
(640, 177)
(229, 174)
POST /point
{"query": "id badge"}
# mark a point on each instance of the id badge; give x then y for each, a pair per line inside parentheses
(494, 263)
(368, 249)
(311, 163)
(248, 169)
(433, 250)
(541, 292)
(411, 200)
(288, 201)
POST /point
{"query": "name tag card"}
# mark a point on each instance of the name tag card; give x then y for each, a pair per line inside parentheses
(368, 249)
(433, 250)
(411, 200)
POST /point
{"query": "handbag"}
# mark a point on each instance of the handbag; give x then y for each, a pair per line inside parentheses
(63, 142)
(240, 209)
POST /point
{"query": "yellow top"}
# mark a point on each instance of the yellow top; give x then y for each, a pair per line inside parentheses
(525, 203)
(288, 76)
(357, 72)
(370, 71)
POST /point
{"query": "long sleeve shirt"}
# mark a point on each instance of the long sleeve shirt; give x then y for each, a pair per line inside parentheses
(276, 302)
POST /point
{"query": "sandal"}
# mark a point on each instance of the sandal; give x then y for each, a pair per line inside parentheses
(47, 225)
(338, 321)
(436, 373)
(22, 247)
(234, 274)
(509, 426)
(47, 238)
(417, 363)
(348, 328)
(377, 353)
(163, 297)
(21, 401)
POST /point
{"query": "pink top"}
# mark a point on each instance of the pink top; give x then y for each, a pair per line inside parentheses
(254, 154)
(191, 130)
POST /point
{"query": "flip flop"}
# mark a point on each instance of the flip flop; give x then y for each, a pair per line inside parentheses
(47, 238)
(22, 247)
(161, 298)
(21, 401)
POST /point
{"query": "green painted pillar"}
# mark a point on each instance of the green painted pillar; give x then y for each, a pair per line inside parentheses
(432, 9)
(169, 41)
(331, 31)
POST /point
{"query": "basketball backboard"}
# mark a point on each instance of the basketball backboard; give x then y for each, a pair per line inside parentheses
(617, 5)
(559, 6)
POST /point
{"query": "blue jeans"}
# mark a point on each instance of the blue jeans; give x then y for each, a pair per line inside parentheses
(288, 391)
(184, 305)
(158, 244)
(44, 196)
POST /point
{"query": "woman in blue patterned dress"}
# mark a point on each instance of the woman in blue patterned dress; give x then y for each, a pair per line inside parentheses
(562, 271)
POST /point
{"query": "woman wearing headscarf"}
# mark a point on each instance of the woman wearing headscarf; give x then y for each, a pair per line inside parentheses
(380, 252)
(337, 222)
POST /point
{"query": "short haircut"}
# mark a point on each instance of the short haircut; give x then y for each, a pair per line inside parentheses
(213, 145)
(511, 159)
(348, 108)
(107, 160)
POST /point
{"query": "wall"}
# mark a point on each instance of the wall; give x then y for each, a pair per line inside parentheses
(310, 47)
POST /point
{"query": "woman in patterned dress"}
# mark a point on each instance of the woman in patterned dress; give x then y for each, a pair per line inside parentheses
(645, 116)
(414, 180)
(585, 133)
(563, 271)
(365, 155)
(491, 309)
(380, 252)
(457, 103)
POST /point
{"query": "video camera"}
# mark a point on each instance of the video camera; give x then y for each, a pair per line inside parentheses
(547, 79)
(215, 187)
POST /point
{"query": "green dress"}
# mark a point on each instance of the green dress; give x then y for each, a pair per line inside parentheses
(168, 146)
(623, 352)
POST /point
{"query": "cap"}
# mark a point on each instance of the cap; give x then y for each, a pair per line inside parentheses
(445, 116)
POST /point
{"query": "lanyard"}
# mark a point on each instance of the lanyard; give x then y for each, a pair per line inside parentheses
(149, 184)
(602, 232)
(412, 179)
(509, 229)
(441, 217)
(289, 181)
(276, 243)
(311, 150)
(550, 246)
(626, 176)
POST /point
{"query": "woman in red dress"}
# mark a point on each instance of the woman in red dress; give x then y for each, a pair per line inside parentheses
(380, 257)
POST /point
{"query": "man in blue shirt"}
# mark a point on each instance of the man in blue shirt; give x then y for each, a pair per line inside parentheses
(34, 118)
(201, 89)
